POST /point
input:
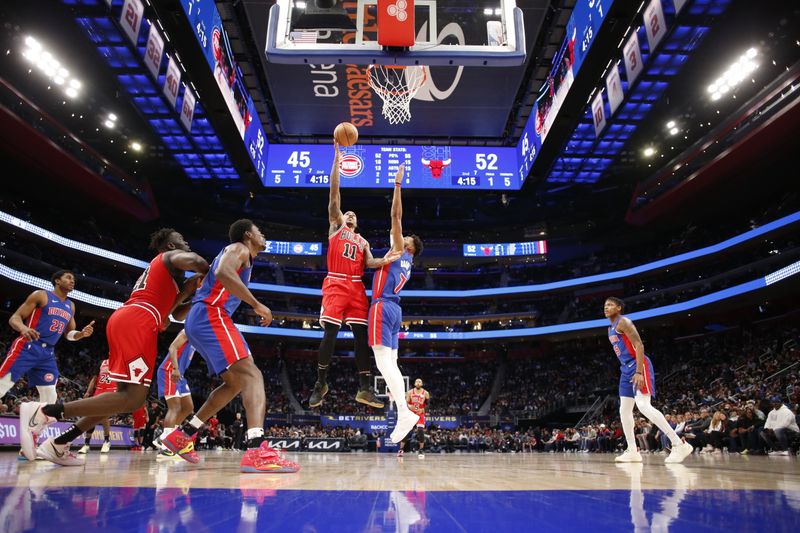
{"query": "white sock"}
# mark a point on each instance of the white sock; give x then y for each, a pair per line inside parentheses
(386, 360)
(255, 433)
(196, 422)
(47, 393)
(655, 416)
(626, 416)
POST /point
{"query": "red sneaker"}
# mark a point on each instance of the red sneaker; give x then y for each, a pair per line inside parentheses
(181, 444)
(266, 460)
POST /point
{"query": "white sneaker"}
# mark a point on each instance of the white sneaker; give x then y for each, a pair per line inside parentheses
(31, 422)
(629, 456)
(405, 423)
(679, 453)
(778, 453)
(84, 450)
(105, 447)
(49, 452)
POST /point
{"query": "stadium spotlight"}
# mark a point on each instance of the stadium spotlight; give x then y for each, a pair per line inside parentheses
(734, 75)
(136, 147)
(649, 151)
(50, 66)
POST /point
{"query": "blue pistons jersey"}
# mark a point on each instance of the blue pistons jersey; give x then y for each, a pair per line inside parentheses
(390, 279)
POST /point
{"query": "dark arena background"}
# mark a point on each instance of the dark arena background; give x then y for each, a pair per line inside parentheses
(557, 158)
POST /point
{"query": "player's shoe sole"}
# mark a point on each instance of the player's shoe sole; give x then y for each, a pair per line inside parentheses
(318, 394)
(367, 397)
(405, 423)
(31, 423)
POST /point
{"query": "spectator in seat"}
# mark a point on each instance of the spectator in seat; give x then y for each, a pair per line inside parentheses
(780, 428)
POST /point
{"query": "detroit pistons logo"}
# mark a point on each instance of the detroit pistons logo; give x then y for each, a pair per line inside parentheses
(49, 377)
(351, 165)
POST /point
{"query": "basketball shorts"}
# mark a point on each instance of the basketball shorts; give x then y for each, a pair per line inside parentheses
(212, 333)
(343, 302)
(132, 334)
(140, 418)
(33, 359)
(626, 376)
(169, 388)
(421, 421)
(385, 318)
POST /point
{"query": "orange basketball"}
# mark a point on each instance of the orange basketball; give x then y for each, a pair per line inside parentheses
(345, 134)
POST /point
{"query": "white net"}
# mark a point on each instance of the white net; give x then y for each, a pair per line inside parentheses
(396, 86)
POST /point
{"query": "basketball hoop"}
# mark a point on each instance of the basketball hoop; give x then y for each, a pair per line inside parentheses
(396, 85)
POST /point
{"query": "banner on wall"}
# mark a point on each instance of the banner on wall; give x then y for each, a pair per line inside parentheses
(187, 109)
(131, 18)
(154, 51)
(372, 423)
(654, 23)
(614, 88)
(172, 81)
(9, 433)
(633, 58)
(598, 113)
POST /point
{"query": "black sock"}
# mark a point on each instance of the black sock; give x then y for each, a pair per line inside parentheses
(256, 442)
(364, 379)
(55, 410)
(69, 435)
(105, 437)
(322, 374)
(189, 429)
(88, 439)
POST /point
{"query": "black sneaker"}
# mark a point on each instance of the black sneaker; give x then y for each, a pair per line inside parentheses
(320, 390)
(367, 397)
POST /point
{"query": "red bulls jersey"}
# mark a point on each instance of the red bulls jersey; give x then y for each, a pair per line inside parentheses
(346, 253)
(104, 383)
(155, 290)
(417, 401)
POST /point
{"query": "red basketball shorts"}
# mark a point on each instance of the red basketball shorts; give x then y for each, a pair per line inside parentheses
(343, 302)
(132, 334)
(140, 418)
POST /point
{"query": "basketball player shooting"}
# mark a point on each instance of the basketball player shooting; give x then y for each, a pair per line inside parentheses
(637, 385)
(132, 332)
(344, 298)
(386, 316)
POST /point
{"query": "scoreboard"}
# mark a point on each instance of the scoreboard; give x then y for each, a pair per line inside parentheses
(292, 248)
(505, 249)
(374, 166)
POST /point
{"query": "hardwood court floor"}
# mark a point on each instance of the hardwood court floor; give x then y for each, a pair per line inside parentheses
(378, 492)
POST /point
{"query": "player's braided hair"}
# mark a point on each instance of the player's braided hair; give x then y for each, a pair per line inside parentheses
(160, 238)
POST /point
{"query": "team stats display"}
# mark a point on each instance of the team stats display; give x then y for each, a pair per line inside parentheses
(505, 249)
(374, 166)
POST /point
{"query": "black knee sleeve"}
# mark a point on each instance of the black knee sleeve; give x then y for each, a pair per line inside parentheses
(328, 344)
(363, 351)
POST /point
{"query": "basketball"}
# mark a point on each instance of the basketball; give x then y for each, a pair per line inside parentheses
(345, 134)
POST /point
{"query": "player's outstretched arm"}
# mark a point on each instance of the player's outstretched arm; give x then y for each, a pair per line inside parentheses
(185, 261)
(371, 262)
(17, 320)
(73, 334)
(90, 389)
(335, 216)
(236, 256)
(397, 211)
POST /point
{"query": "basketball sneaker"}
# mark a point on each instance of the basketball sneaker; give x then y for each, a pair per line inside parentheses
(319, 392)
(405, 423)
(31, 422)
(776, 453)
(181, 444)
(421, 454)
(266, 460)
(49, 452)
(367, 397)
(679, 453)
(105, 447)
(84, 449)
(629, 456)
(400, 453)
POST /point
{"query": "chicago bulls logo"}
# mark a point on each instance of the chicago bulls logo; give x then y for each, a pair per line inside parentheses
(436, 165)
(137, 369)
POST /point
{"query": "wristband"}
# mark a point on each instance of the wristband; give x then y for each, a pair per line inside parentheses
(72, 334)
(638, 373)
(397, 184)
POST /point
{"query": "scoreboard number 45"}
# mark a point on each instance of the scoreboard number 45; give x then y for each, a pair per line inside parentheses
(299, 159)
